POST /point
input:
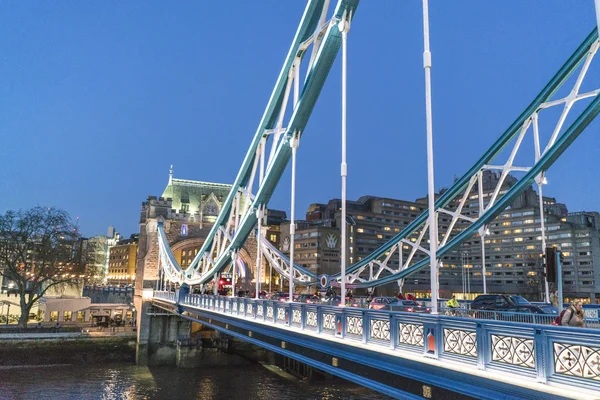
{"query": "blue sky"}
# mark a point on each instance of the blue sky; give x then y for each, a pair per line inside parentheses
(97, 99)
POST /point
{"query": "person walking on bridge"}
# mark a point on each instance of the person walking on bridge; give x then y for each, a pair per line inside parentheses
(573, 316)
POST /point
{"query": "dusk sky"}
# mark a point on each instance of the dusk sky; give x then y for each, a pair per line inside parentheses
(98, 98)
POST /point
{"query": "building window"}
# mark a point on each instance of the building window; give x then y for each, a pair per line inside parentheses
(67, 316)
(54, 316)
(273, 238)
(80, 316)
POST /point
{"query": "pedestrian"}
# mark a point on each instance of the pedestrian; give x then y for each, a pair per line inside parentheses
(574, 315)
(555, 301)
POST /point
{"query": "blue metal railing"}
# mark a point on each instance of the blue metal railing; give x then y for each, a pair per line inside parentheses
(542, 352)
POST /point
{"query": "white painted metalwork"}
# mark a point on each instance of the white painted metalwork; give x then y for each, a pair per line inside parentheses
(329, 321)
(294, 145)
(259, 217)
(354, 325)
(461, 342)
(377, 269)
(433, 222)
(379, 329)
(411, 334)
(344, 27)
(577, 360)
(281, 264)
(244, 200)
(513, 350)
(233, 221)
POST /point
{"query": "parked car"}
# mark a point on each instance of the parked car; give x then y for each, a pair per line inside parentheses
(307, 298)
(406, 305)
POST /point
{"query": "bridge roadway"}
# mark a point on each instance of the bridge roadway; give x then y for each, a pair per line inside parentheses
(408, 355)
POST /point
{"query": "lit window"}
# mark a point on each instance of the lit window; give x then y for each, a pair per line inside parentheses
(360, 230)
(80, 316)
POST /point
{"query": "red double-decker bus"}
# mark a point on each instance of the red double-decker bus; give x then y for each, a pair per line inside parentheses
(225, 285)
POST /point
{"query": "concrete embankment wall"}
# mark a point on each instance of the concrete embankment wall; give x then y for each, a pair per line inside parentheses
(66, 350)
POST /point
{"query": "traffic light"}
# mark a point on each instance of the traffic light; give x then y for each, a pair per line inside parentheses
(561, 256)
(551, 264)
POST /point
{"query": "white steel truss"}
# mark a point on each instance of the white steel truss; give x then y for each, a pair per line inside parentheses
(223, 238)
(368, 274)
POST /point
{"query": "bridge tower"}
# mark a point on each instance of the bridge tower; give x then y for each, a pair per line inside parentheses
(187, 210)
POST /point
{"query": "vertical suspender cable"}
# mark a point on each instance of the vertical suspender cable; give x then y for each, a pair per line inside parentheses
(294, 146)
(597, 6)
(258, 252)
(433, 237)
(233, 265)
(540, 183)
(344, 27)
(482, 230)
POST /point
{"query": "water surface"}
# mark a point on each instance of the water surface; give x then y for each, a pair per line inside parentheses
(126, 381)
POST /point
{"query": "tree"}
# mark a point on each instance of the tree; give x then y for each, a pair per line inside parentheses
(40, 249)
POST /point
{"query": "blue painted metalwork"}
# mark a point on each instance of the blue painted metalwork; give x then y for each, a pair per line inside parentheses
(519, 352)
(537, 352)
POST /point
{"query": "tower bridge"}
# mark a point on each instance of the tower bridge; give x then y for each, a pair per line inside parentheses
(405, 355)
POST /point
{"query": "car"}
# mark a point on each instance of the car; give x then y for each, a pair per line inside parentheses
(494, 302)
(406, 305)
(529, 313)
(519, 299)
(307, 298)
(333, 301)
(379, 302)
(280, 296)
(534, 309)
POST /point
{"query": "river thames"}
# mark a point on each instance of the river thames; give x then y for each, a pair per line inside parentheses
(126, 381)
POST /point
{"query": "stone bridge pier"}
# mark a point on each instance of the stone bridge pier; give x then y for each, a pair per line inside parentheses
(164, 339)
